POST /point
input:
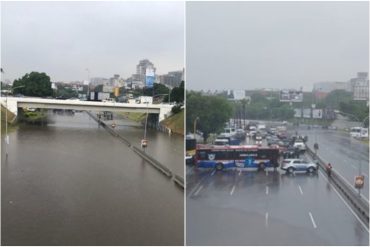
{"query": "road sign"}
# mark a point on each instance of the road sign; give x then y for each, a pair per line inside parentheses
(359, 182)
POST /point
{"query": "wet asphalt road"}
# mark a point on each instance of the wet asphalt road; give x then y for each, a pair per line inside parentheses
(239, 207)
(72, 183)
(346, 154)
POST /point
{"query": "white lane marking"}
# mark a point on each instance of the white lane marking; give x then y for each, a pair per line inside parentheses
(313, 221)
(350, 209)
(240, 172)
(267, 172)
(267, 219)
(199, 189)
(213, 173)
(267, 190)
(300, 189)
(232, 190)
(354, 167)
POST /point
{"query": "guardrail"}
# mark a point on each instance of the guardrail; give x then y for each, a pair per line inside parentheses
(360, 204)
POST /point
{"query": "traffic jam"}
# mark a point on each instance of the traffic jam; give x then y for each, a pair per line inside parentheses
(255, 147)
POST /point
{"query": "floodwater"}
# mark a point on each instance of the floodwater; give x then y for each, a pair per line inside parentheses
(72, 183)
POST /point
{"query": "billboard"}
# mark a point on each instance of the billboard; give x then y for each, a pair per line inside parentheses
(149, 77)
(291, 95)
(316, 113)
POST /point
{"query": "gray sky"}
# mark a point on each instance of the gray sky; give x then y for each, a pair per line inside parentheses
(247, 45)
(64, 38)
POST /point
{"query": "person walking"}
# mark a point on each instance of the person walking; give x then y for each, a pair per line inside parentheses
(329, 167)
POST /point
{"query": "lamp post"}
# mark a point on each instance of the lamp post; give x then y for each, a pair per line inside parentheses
(6, 120)
(144, 142)
(195, 125)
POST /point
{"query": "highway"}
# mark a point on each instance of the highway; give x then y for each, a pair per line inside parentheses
(347, 155)
(239, 207)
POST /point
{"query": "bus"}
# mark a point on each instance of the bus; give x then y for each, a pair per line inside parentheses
(190, 146)
(247, 156)
(358, 132)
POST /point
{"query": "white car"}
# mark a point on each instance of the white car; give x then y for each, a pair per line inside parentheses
(292, 165)
(300, 145)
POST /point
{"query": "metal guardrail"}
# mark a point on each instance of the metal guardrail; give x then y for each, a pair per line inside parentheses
(360, 204)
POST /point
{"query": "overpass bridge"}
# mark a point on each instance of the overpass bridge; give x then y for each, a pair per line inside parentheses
(13, 103)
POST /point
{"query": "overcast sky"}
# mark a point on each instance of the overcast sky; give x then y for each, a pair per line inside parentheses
(247, 45)
(64, 38)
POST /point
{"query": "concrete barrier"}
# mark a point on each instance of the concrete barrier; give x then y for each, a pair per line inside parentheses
(360, 204)
(152, 161)
(140, 152)
(179, 180)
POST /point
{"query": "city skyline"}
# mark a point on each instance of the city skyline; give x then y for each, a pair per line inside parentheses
(63, 39)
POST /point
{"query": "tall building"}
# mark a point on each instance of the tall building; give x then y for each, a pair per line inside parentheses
(172, 79)
(360, 86)
(141, 70)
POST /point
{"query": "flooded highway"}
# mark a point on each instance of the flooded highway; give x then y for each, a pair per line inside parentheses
(167, 149)
(73, 183)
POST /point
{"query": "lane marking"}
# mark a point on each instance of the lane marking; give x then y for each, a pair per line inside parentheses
(313, 221)
(267, 190)
(350, 209)
(213, 173)
(240, 172)
(267, 172)
(300, 189)
(267, 219)
(354, 167)
(232, 190)
(199, 189)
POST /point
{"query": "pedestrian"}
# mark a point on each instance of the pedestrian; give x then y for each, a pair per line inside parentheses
(329, 167)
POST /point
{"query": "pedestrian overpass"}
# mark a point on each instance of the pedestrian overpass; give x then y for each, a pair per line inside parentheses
(13, 103)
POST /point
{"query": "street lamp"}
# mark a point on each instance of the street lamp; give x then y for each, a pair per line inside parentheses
(195, 125)
(6, 119)
(144, 141)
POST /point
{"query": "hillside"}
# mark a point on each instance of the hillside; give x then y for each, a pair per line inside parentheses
(175, 123)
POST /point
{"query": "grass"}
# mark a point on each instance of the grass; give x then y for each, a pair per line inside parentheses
(175, 123)
(11, 126)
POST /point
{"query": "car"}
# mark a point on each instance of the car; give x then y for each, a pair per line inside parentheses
(300, 145)
(292, 165)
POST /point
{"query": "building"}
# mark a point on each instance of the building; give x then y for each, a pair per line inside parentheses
(141, 71)
(360, 86)
(172, 79)
(322, 89)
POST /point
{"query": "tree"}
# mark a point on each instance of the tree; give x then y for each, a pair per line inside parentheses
(177, 93)
(34, 84)
(213, 112)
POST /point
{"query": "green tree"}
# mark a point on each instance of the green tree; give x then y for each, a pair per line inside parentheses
(213, 112)
(177, 93)
(34, 84)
